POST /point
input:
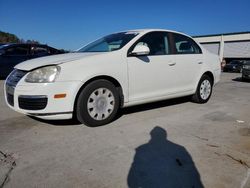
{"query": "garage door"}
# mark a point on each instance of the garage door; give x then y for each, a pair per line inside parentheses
(212, 47)
(237, 49)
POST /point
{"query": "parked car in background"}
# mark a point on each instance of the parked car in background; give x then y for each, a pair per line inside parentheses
(233, 66)
(246, 71)
(120, 70)
(12, 54)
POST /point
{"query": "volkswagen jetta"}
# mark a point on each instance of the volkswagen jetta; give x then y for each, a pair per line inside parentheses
(119, 70)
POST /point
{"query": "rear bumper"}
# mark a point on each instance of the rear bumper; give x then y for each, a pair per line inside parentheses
(217, 74)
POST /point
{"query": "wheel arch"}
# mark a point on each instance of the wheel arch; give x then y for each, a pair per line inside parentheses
(101, 77)
(210, 74)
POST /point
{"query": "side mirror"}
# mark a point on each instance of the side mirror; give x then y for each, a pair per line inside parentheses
(140, 50)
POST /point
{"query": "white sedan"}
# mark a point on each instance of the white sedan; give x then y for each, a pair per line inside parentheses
(119, 70)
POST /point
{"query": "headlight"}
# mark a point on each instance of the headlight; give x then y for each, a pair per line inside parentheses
(43, 75)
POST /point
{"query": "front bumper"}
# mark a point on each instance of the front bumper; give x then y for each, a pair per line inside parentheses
(37, 99)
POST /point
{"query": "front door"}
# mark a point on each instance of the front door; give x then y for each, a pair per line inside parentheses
(152, 76)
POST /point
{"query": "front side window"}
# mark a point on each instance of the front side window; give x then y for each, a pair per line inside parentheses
(109, 43)
(157, 42)
(185, 45)
(16, 51)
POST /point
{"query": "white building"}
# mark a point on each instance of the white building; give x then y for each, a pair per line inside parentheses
(227, 45)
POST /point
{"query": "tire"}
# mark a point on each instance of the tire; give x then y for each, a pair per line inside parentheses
(97, 103)
(204, 90)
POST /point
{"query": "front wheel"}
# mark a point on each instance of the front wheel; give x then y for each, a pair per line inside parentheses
(204, 90)
(97, 103)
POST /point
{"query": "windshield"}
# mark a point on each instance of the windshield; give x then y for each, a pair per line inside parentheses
(109, 43)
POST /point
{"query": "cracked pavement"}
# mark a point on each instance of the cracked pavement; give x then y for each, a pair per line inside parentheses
(215, 137)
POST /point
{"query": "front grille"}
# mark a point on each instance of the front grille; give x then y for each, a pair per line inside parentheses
(32, 102)
(11, 82)
(15, 76)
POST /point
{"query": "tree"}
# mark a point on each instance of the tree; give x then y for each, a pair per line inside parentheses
(11, 38)
(8, 38)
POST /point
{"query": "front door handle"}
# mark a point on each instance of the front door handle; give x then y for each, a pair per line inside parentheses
(200, 62)
(171, 63)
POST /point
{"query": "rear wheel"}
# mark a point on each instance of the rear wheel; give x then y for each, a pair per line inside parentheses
(97, 103)
(204, 90)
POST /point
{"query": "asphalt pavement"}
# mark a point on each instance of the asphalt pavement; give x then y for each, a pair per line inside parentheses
(173, 143)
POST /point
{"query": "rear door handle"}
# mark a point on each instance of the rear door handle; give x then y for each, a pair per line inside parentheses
(200, 62)
(171, 63)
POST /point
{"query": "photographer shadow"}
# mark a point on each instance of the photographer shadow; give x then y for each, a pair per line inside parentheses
(162, 163)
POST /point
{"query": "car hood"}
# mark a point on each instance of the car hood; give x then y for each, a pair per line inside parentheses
(52, 60)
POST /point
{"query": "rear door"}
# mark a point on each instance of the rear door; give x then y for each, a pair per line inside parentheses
(189, 61)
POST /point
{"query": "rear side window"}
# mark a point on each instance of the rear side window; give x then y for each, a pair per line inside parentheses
(157, 42)
(185, 45)
(17, 51)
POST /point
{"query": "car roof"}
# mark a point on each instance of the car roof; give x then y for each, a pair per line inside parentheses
(150, 30)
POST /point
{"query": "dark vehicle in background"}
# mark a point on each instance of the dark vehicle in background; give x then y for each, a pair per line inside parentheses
(233, 66)
(12, 54)
(246, 71)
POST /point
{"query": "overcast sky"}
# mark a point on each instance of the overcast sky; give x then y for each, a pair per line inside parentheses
(70, 24)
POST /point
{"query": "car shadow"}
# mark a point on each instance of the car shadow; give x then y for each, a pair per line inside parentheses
(65, 122)
(153, 105)
(162, 163)
(239, 79)
(121, 112)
